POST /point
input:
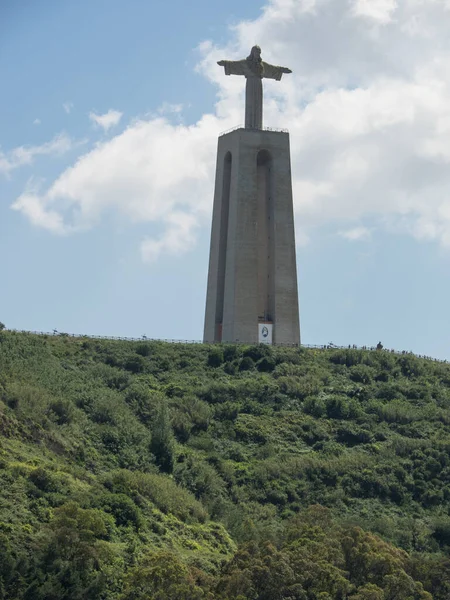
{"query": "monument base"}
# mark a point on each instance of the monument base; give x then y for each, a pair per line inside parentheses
(252, 279)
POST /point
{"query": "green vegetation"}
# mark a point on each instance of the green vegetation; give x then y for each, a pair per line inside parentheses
(145, 470)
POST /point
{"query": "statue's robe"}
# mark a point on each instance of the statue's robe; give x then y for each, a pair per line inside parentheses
(253, 88)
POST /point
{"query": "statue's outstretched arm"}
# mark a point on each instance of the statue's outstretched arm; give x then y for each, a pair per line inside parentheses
(233, 67)
(273, 72)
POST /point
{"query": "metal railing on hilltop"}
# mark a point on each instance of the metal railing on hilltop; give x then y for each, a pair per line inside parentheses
(250, 129)
(144, 338)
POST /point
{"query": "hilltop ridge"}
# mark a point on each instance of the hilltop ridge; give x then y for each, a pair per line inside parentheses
(234, 471)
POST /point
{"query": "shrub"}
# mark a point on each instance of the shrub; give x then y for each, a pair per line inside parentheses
(352, 435)
(231, 368)
(162, 444)
(44, 480)
(104, 411)
(182, 426)
(142, 401)
(215, 356)
(144, 349)
(161, 575)
(135, 364)
(258, 352)
(63, 411)
(117, 379)
(189, 414)
(314, 406)
(441, 532)
(246, 364)
(362, 373)
(410, 365)
(159, 489)
(266, 364)
(219, 391)
(337, 407)
(230, 353)
(346, 357)
(396, 411)
(389, 391)
(123, 509)
(200, 478)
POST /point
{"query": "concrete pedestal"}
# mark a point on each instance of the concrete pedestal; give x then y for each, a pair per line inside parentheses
(252, 277)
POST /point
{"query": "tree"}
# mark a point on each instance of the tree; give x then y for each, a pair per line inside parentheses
(162, 445)
(161, 576)
(73, 558)
(215, 357)
(368, 592)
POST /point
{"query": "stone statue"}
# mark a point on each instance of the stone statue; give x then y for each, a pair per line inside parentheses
(253, 68)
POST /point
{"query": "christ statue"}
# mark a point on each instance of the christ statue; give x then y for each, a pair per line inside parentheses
(253, 68)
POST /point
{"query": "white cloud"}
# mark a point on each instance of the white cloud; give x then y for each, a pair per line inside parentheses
(367, 106)
(30, 205)
(108, 120)
(37, 122)
(356, 234)
(178, 237)
(151, 172)
(167, 108)
(67, 106)
(24, 155)
(380, 11)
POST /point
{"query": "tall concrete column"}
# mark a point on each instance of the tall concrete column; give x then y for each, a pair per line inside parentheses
(252, 275)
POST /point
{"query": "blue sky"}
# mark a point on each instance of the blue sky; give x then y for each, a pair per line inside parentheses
(109, 116)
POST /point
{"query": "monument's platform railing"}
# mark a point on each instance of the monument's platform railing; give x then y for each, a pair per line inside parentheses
(248, 129)
(144, 338)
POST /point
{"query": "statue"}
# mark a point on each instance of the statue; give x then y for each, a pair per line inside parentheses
(254, 69)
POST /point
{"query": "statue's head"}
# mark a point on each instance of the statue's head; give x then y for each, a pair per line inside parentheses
(255, 54)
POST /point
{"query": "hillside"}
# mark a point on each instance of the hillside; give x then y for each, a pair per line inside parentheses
(138, 470)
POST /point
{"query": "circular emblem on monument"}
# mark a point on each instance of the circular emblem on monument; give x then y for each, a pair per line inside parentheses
(264, 331)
